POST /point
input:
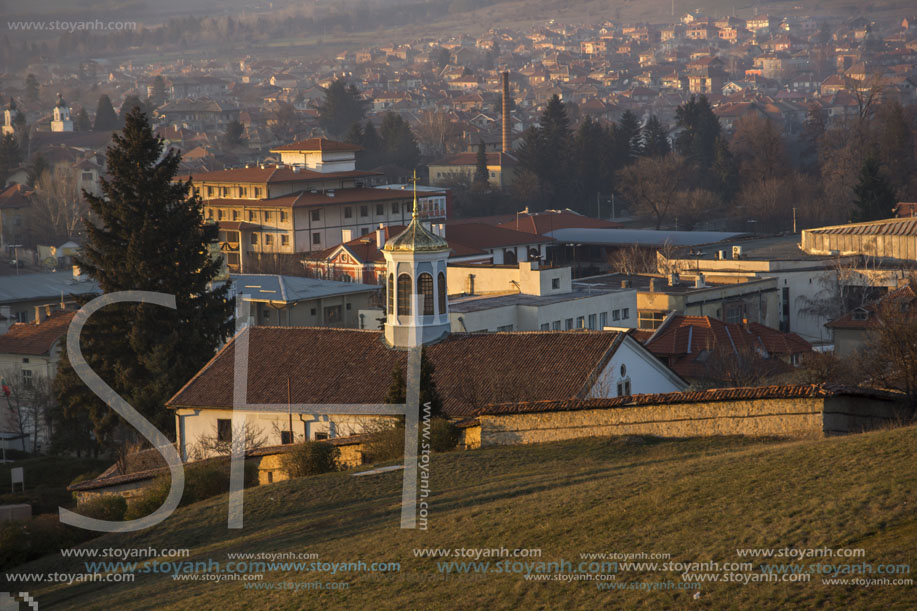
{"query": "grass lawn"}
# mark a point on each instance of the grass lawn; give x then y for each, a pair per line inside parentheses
(697, 500)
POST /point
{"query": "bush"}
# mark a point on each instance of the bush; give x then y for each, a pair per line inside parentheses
(311, 458)
(24, 541)
(384, 441)
(444, 436)
(110, 507)
(203, 480)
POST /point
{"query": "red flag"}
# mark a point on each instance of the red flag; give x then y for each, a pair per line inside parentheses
(6, 388)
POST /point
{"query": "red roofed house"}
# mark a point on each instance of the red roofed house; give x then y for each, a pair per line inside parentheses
(501, 166)
(28, 362)
(851, 331)
(702, 348)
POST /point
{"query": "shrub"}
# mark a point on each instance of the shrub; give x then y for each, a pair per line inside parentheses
(203, 480)
(384, 441)
(444, 436)
(110, 507)
(311, 458)
(24, 541)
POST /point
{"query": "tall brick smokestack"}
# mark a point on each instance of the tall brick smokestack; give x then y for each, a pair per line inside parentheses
(506, 118)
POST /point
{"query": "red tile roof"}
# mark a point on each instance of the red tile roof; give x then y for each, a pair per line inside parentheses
(483, 236)
(686, 342)
(318, 144)
(543, 222)
(786, 391)
(35, 339)
(354, 366)
(271, 174)
(299, 199)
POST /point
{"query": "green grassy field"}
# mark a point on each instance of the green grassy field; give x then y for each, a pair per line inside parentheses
(697, 500)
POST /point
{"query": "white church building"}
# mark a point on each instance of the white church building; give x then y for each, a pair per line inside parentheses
(291, 366)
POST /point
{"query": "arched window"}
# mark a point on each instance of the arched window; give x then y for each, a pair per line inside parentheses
(509, 257)
(442, 293)
(391, 293)
(404, 295)
(425, 288)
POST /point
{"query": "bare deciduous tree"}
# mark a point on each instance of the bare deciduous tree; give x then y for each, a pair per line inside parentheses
(651, 185)
(58, 208)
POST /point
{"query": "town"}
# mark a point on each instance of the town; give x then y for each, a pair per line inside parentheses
(692, 238)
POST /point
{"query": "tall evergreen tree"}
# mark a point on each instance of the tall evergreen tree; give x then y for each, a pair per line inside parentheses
(31, 89)
(82, 122)
(158, 93)
(629, 132)
(700, 129)
(875, 198)
(235, 134)
(146, 233)
(546, 153)
(428, 393)
(725, 171)
(398, 142)
(589, 159)
(106, 119)
(481, 178)
(343, 105)
(130, 103)
(655, 140)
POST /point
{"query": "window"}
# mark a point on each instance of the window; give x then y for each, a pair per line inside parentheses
(25, 360)
(592, 322)
(210, 213)
(220, 214)
(404, 295)
(235, 215)
(735, 313)
(251, 215)
(624, 388)
(555, 283)
(224, 430)
(268, 239)
(283, 216)
(284, 240)
(603, 320)
(580, 322)
(321, 436)
(27, 378)
(316, 215)
(254, 238)
(545, 326)
(616, 315)
(316, 238)
(509, 257)
(267, 216)
(568, 324)
(650, 320)
(286, 437)
(364, 210)
(625, 313)
(555, 326)
(425, 288)
(391, 293)
(364, 230)
(380, 208)
(395, 208)
(504, 329)
(257, 191)
(209, 191)
(333, 314)
(348, 212)
(442, 293)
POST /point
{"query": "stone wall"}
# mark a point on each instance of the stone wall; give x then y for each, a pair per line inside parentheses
(797, 417)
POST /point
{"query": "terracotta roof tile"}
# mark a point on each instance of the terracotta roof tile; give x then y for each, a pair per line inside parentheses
(35, 339)
(786, 391)
(354, 366)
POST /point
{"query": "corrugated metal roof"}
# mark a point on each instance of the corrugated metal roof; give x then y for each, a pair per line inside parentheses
(902, 227)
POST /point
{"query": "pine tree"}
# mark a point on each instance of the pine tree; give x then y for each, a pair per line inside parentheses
(725, 171)
(398, 141)
(481, 179)
(875, 197)
(158, 94)
(31, 89)
(428, 393)
(106, 119)
(629, 132)
(546, 153)
(82, 122)
(397, 387)
(655, 141)
(235, 134)
(146, 233)
(700, 129)
(343, 105)
(130, 103)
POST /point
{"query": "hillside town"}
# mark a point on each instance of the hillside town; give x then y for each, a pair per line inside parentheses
(700, 227)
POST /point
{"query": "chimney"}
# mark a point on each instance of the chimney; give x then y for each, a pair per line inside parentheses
(346, 235)
(506, 117)
(380, 237)
(699, 281)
